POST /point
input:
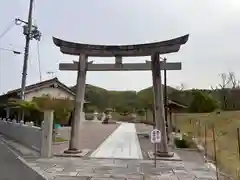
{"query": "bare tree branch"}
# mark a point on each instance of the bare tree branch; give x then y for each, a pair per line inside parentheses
(232, 80)
(224, 81)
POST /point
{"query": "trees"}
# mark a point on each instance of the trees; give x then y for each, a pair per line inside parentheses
(228, 91)
(202, 102)
(61, 107)
(145, 98)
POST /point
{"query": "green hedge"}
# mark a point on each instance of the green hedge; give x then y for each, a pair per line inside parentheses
(181, 143)
(186, 142)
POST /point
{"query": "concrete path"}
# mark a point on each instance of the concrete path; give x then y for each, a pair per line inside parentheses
(12, 168)
(122, 143)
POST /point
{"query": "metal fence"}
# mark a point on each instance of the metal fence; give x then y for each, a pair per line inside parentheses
(220, 138)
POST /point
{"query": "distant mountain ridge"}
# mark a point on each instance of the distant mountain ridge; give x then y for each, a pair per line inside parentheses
(101, 97)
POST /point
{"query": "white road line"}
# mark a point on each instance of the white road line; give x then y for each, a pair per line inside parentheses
(122, 143)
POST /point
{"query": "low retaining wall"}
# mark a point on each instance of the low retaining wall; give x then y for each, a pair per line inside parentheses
(26, 134)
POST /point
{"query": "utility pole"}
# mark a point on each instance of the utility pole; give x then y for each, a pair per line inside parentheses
(26, 52)
(31, 32)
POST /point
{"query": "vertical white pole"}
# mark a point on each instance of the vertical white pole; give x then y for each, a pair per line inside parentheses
(47, 130)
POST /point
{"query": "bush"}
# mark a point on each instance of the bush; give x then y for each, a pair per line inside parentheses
(202, 102)
(89, 117)
(186, 142)
(141, 112)
(90, 109)
(99, 117)
(126, 119)
(181, 143)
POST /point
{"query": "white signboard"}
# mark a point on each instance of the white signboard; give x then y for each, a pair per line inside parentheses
(156, 136)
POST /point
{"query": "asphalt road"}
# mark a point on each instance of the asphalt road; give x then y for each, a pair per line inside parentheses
(11, 168)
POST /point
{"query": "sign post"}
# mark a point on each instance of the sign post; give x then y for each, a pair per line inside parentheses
(155, 139)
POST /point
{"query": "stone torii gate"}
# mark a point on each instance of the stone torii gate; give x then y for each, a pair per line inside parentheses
(118, 51)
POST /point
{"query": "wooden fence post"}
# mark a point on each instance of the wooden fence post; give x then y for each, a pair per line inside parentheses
(205, 140)
(215, 151)
(238, 140)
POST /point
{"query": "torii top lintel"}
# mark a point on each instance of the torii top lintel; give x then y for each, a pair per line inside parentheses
(163, 47)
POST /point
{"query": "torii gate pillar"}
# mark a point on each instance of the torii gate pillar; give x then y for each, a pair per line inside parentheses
(162, 148)
(79, 104)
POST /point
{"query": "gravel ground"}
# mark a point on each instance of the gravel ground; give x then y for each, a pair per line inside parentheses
(185, 155)
(190, 156)
(91, 136)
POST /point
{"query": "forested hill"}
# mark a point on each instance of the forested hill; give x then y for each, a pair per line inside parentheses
(103, 98)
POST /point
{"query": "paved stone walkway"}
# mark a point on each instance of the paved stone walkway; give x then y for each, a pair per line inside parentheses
(91, 136)
(60, 168)
(113, 169)
(122, 143)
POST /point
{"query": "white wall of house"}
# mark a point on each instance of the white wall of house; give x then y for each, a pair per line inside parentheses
(52, 92)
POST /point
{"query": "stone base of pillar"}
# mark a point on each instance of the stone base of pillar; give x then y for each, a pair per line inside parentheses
(72, 151)
(164, 154)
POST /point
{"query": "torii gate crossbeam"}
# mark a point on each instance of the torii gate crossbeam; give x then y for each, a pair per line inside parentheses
(120, 67)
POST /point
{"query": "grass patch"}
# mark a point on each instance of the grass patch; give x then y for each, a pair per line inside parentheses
(59, 139)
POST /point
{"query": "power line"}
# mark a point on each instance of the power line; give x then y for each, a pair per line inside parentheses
(38, 46)
(11, 50)
(7, 29)
(34, 13)
(39, 61)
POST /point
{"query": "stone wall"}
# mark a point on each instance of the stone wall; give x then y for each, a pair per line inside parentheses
(26, 134)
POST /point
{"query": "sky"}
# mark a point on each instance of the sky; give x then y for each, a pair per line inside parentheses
(212, 48)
